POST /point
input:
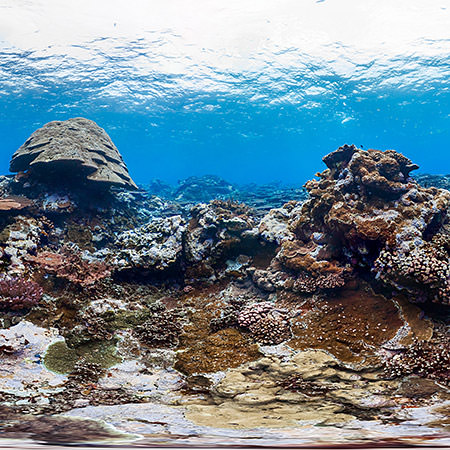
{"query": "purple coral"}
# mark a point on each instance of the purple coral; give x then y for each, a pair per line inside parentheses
(17, 294)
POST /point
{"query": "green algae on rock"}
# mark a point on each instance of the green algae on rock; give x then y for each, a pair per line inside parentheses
(61, 359)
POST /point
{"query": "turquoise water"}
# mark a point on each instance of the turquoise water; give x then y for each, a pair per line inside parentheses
(250, 91)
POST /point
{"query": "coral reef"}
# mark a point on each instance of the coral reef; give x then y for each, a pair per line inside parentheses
(161, 329)
(216, 231)
(76, 147)
(267, 324)
(438, 181)
(70, 266)
(221, 312)
(364, 206)
(427, 359)
(424, 270)
(18, 294)
(297, 383)
(203, 189)
(19, 240)
(14, 203)
(156, 245)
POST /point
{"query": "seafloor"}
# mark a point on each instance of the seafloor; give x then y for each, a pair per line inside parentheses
(210, 313)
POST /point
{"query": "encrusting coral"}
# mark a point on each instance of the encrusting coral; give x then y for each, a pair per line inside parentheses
(156, 245)
(69, 265)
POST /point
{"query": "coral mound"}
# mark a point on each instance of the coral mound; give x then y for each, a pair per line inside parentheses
(76, 146)
(366, 213)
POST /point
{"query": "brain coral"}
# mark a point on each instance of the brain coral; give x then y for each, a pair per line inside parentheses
(366, 213)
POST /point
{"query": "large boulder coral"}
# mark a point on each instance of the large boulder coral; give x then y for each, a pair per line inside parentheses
(366, 213)
(60, 150)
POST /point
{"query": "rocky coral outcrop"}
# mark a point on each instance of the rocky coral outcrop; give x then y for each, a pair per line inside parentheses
(156, 246)
(69, 265)
(19, 240)
(204, 189)
(364, 213)
(438, 181)
(18, 293)
(215, 233)
(59, 150)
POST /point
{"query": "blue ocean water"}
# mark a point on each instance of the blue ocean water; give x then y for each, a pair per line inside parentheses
(252, 91)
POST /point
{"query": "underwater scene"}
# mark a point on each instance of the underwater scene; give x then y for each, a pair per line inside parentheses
(225, 224)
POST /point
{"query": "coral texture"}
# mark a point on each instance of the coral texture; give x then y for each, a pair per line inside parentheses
(266, 324)
(365, 213)
(12, 203)
(69, 265)
(19, 240)
(428, 359)
(156, 245)
(74, 146)
(17, 294)
(162, 329)
(214, 232)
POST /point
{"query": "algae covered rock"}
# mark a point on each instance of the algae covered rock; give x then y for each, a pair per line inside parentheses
(76, 148)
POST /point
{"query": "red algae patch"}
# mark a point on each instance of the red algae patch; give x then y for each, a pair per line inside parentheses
(351, 325)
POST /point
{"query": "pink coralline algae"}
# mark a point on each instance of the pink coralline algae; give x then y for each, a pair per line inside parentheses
(18, 294)
(71, 267)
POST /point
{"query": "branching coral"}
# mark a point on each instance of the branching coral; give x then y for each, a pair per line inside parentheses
(296, 383)
(428, 359)
(17, 294)
(424, 268)
(267, 324)
(162, 329)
